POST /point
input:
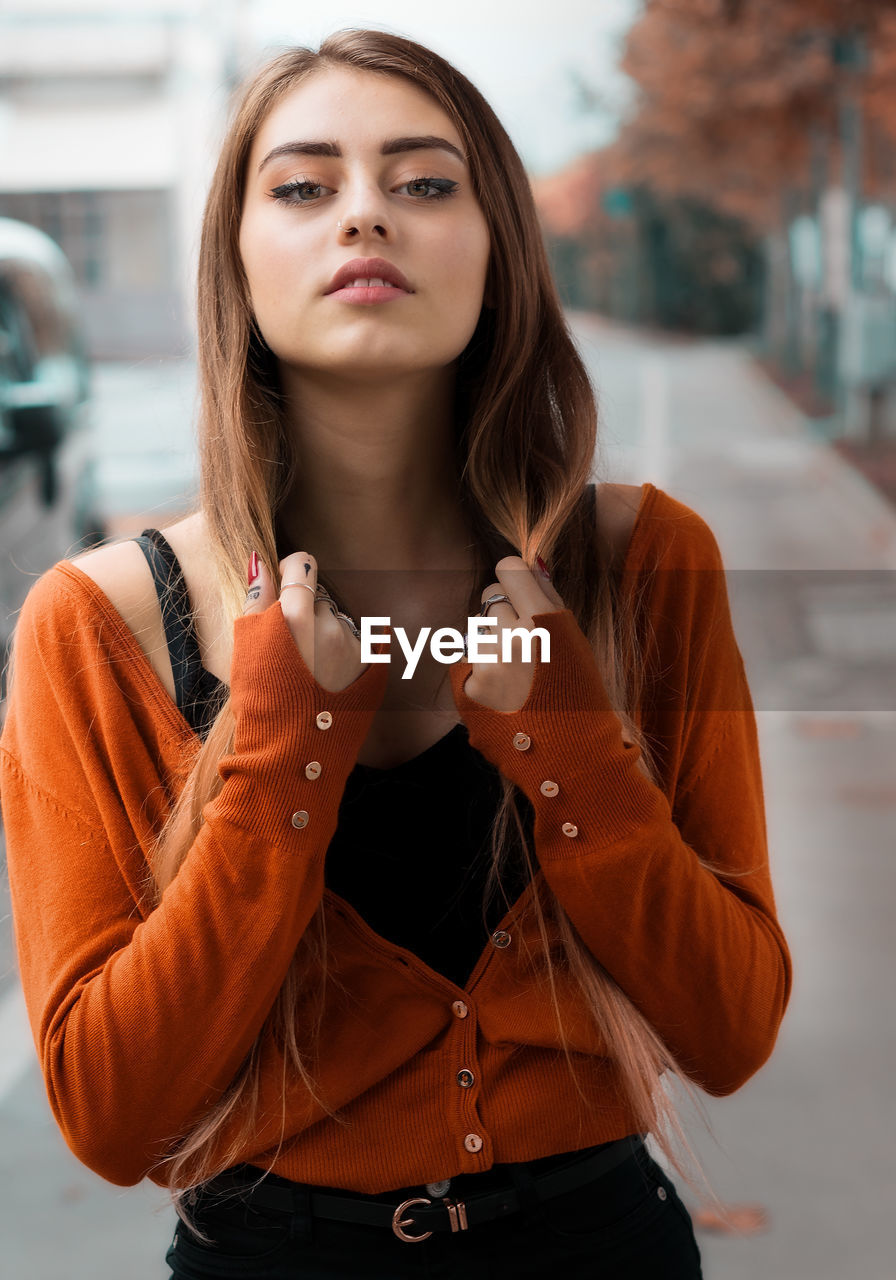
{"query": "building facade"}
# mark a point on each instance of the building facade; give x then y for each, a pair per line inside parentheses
(110, 117)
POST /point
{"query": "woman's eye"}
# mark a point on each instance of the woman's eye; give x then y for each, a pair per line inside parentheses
(304, 191)
(441, 187)
(295, 192)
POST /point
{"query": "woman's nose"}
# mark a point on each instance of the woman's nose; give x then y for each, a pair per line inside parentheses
(352, 226)
(365, 212)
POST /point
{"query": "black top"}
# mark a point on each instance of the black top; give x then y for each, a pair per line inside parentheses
(411, 847)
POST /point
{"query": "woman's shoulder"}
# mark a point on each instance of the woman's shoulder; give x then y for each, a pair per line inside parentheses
(120, 573)
(113, 586)
(616, 511)
(648, 529)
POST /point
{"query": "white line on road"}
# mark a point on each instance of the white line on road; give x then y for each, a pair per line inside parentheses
(655, 420)
(16, 1043)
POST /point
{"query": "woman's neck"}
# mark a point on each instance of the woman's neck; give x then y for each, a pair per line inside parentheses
(376, 484)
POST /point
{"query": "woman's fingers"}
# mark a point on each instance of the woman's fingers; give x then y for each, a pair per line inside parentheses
(323, 637)
(261, 593)
(298, 585)
(298, 593)
(530, 592)
(501, 685)
(505, 685)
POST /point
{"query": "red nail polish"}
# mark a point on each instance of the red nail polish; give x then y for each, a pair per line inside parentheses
(542, 566)
(253, 567)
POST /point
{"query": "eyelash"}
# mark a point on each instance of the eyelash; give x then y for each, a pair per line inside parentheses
(444, 187)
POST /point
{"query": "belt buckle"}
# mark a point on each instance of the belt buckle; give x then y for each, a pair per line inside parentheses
(397, 1223)
(457, 1216)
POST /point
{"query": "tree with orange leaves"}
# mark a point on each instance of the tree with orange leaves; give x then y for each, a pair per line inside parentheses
(738, 98)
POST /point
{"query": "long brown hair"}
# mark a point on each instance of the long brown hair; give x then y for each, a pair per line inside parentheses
(526, 436)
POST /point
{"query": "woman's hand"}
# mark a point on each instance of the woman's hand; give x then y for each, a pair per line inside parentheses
(323, 636)
(505, 686)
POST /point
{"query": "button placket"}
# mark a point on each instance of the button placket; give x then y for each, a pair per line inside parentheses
(550, 788)
(313, 770)
(466, 1081)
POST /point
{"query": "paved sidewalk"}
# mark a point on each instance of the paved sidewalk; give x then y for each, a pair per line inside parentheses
(810, 1137)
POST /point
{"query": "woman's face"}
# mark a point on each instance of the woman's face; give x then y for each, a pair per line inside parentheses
(413, 207)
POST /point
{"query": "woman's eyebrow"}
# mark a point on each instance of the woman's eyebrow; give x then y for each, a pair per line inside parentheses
(391, 147)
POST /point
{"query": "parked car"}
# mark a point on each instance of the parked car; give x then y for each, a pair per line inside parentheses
(48, 500)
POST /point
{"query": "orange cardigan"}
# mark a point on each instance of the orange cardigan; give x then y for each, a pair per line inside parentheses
(140, 1020)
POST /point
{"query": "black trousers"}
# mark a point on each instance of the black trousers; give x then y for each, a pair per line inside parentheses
(626, 1224)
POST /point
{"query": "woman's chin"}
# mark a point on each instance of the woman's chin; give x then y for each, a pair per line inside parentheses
(372, 366)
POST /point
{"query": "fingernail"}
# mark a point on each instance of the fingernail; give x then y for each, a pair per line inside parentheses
(542, 566)
(253, 567)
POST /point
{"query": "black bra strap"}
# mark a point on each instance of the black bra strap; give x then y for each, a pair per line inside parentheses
(171, 588)
(197, 691)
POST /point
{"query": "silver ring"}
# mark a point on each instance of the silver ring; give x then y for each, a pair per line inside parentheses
(326, 598)
(322, 596)
(354, 630)
(496, 599)
(344, 617)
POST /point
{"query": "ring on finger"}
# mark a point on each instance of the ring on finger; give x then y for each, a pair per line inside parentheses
(321, 594)
(495, 599)
(325, 598)
(345, 617)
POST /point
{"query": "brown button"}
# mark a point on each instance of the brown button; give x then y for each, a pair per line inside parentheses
(300, 819)
(548, 788)
(460, 1008)
(522, 741)
(465, 1078)
(324, 720)
(312, 769)
(473, 1142)
(570, 829)
(501, 939)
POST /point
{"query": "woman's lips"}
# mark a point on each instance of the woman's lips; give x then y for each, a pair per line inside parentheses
(368, 293)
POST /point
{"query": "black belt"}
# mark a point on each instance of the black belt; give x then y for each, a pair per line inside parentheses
(444, 1214)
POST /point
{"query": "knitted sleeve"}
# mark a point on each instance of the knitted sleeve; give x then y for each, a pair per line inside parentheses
(641, 870)
(142, 1019)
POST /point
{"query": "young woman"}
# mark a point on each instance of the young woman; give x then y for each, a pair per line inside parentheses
(380, 975)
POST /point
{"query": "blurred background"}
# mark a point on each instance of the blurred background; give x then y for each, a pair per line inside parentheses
(716, 181)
